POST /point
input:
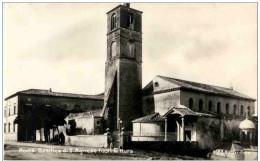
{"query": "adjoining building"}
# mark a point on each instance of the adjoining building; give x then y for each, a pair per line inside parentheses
(179, 110)
(24, 101)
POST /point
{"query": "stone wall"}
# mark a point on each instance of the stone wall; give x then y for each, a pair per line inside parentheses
(212, 131)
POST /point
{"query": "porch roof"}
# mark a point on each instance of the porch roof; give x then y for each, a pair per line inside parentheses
(156, 117)
(185, 112)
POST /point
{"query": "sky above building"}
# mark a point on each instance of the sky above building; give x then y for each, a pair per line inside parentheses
(63, 45)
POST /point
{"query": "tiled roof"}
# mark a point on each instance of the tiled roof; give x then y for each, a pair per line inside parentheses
(89, 113)
(185, 112)
(206, 88)
(56, 94)
(182, 111)
(150, 118)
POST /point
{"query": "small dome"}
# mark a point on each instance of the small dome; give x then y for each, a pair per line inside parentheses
(246, 124)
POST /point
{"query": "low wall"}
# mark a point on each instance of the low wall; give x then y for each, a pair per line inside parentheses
(148, 138)
(10, 137)
(175, 147)
(87, 140)
(250, 154)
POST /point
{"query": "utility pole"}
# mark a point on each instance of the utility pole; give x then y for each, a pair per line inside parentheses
(119, 130)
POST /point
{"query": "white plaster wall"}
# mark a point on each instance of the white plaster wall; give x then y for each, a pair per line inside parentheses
(9, 104)
(87, 123)
(165, 101)
(87, 140)
(186, 95)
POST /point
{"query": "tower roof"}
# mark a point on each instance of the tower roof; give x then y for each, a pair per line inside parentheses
(125, 6)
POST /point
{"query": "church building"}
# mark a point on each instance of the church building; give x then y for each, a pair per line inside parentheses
(166, 109)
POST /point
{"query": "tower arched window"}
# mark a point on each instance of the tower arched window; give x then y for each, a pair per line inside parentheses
(113, 21)
(190, 103)
(210, 106)
(218, 107)
(113, 49)
(248, 111)
(200, 105)
(235, 110)
(130, 20)
(242, 110)
(227, 108)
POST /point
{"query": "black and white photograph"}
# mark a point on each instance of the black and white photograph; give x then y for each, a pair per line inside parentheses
(130, 81)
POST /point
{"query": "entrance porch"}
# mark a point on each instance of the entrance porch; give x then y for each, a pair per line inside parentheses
(178, 124)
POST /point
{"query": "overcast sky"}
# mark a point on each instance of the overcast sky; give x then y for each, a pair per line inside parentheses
(63, 46)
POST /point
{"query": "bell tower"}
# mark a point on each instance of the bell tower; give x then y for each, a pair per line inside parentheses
(123, 74)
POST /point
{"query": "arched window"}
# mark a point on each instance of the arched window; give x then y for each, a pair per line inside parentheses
(210, 106)
(242, 110)
(113, 49)
(248, 111)
(200, 105)
(130, 20)
(9, 127)
(14, 110)
(218, 108)
(113, 21)
(190, 103)
(227, 108)
(235, 110)
(132, 50)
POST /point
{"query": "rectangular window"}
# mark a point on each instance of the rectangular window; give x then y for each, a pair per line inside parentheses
(5, 128)
(14, 110)
(9, 111)
(9, 127)
(14, 127)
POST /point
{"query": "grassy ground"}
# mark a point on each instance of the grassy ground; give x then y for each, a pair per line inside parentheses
(23, 151)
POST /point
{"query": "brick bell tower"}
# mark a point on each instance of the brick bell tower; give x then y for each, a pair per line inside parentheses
(123, 74)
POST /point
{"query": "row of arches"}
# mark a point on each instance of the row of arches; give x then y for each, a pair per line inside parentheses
(218, 109)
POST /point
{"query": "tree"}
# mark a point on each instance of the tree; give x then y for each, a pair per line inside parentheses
(43, 116)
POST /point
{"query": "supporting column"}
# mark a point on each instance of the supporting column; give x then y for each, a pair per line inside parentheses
(182, 129)
(178, 130)
(165, 133)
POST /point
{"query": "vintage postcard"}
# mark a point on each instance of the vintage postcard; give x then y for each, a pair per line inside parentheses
(130, 81)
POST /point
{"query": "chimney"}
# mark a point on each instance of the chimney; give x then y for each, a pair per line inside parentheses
(231, 86)
(126, 5)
